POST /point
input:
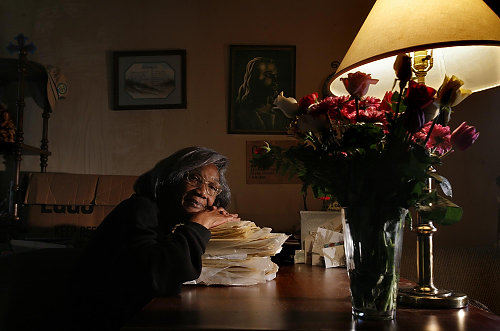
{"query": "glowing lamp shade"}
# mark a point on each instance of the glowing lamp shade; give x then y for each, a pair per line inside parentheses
(464, 36)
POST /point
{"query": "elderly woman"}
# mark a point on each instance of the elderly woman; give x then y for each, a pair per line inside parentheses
(152, 242)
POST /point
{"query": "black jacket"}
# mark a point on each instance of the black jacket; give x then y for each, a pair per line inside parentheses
(132, 258)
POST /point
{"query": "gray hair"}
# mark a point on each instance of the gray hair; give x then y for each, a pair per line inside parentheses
(171, 171)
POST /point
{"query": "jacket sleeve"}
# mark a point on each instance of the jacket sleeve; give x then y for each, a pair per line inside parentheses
(160, 262)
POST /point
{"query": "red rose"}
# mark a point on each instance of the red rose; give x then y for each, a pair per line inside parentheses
(386, 103)
(464, 136)
(419, 96)
(306, 101)
(357, 84)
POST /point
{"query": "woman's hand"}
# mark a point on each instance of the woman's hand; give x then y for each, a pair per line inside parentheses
(212, 217)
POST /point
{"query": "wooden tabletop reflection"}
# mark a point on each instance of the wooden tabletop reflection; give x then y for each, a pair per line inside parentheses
(301, 297)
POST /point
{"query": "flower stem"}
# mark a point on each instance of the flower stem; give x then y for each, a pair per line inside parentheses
(399, 99)
(447, 153)
(432, 127)
(357, 108)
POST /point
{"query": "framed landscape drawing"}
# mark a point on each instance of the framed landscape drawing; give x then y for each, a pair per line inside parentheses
(149, 79)
(257, 74)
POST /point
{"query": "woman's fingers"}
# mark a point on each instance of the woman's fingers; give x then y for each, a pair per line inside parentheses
(222, 211)
(225, 212)
(219, 221)
(214, 216)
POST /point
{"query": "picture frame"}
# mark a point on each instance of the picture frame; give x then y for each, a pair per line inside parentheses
(257, 74)
(149, 79)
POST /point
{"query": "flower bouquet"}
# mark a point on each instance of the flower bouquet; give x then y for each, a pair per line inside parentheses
(375, 157)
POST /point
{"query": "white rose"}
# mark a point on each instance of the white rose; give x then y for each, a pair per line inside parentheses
(288, 106)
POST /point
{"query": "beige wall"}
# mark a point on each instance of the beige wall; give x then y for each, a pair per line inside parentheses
(86, 136)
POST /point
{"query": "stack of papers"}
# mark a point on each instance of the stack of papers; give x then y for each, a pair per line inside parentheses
(239, 253)
(323, 247)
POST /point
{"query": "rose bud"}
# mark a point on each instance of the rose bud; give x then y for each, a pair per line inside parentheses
(307, 101)
(288, 106)
(464, 136)
(450, 92)
(357, 84)
(402, 66)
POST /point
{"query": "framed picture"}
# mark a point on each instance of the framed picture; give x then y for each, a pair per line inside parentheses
(255, 175)
(257, 74)
(149, 79)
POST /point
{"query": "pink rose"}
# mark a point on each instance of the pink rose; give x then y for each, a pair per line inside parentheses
(464, 136)
(357, 84)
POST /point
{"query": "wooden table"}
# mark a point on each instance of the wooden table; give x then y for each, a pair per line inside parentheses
(301, 297)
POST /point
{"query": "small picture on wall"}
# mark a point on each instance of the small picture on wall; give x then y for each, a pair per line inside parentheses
(257, 74)
(149, 79)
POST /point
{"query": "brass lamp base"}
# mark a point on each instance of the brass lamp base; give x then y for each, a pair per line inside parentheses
(443, 299)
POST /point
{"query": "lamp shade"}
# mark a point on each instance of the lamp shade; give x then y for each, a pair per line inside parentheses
(464, 36)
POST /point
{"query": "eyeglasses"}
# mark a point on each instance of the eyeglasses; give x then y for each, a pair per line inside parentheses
(196, 180)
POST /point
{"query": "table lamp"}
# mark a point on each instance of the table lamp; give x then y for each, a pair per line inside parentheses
(454, 37)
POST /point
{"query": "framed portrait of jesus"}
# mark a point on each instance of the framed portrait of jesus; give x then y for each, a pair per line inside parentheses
(257, 74)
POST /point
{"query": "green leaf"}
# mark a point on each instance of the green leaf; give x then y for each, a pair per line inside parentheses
(443, 183)
(442, 211)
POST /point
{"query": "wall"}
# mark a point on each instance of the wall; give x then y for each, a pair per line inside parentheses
(86, 136)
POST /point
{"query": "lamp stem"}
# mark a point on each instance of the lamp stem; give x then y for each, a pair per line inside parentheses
(425, 294)
(425, 262)
(422, 63)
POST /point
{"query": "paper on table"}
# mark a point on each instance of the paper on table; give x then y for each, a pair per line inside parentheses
(251, 271)
(334, 256)
(331, 226)
(324, 238)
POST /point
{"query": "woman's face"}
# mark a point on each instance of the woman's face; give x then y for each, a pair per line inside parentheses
(198, 197)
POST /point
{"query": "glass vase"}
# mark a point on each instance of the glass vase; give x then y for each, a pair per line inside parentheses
(373, 242)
